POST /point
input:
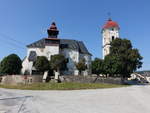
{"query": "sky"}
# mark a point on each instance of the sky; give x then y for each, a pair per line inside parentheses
(25, 21)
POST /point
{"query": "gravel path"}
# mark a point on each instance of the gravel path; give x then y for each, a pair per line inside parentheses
(135, 99)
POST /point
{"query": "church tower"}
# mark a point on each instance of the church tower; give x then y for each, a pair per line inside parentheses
(110, 31)
(52, 31)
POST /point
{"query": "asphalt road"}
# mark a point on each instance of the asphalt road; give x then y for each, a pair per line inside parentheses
(135, 99)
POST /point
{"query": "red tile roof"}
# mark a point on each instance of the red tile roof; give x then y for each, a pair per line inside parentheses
(110, 24)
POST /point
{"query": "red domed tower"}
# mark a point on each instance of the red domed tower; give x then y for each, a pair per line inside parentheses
(110, 24)
(110, 31)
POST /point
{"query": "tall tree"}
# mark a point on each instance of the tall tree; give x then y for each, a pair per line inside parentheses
(123, 58)
(97, 66)
(11, 64)
(57, 62)
(42, 64)
(81, 65)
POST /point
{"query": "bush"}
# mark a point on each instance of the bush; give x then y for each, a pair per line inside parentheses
(81, 66)
(42, 64)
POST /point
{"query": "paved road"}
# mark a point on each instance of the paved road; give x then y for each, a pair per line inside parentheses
(135, 99)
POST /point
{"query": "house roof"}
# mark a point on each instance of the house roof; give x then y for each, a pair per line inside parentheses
(64, 43)
(37, 44)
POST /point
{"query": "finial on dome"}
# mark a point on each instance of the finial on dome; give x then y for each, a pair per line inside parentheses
(109, 16)
(53, 23)
(52, 31)
(109, 19)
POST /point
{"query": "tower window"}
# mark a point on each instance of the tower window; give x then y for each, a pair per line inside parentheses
(112, 29)
(113, 38)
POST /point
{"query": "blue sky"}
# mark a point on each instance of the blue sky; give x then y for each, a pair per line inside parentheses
(25, 21)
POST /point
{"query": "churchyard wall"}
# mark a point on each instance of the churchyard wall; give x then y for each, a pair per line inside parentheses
(90, 79)
(20, 79)
(28, 79)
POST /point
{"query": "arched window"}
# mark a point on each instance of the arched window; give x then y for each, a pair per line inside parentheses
(113, 38)
(49, 55)
(32, 56)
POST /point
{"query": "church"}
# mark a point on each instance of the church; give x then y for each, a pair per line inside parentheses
(73, 51)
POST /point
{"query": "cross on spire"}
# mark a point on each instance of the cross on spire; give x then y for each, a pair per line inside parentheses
(109, 16)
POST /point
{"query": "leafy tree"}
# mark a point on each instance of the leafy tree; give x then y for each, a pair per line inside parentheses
(11, 64)
(97, 66)
(57, 62)
(123, 58)
(111, 66)
(42, 64)
(81, 65)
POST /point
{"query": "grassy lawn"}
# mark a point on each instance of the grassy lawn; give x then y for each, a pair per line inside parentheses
(61, 86)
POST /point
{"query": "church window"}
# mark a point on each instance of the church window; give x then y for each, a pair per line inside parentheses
(113, 38)
(112, 29)
(67, 60)
(32, 56)
(48, 55)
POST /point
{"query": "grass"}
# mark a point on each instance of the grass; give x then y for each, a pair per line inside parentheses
(61, 86)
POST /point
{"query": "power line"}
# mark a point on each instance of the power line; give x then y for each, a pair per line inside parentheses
(8, 37)
(12, 44)
(16, 44)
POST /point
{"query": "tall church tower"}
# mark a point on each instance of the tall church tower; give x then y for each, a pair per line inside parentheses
(110, 31)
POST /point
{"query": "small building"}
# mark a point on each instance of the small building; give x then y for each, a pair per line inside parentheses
(73, 50)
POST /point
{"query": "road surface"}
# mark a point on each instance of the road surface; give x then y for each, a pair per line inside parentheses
(134, 99)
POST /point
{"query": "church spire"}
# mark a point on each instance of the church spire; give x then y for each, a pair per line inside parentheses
(52, 31)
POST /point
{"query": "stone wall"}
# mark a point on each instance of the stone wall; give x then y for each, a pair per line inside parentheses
(21, 79)
(90, 79)
(28, 79)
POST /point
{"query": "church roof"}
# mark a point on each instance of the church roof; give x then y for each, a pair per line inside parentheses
(64, 43)
(110, 24)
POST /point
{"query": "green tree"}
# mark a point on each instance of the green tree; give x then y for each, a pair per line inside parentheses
(11, 64)
(81, 65)
(97, 66)
(123, 58)
(57, 62)
(111, 65)
(42, 64)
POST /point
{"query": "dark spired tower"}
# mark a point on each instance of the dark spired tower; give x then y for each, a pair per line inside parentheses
(52, 31)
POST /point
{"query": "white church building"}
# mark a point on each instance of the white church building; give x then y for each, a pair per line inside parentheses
(73, 50)
(110, 31)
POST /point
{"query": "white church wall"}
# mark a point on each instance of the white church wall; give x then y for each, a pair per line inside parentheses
(47, 51)
(51, 50)
(87, 58)
(73, 57)
(27, 66)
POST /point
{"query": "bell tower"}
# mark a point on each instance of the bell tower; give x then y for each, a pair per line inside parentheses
(52, 31)
(110, 31)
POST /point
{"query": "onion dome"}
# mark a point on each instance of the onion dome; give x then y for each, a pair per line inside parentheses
(110, 24)
(52, 31)
(53, 26)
